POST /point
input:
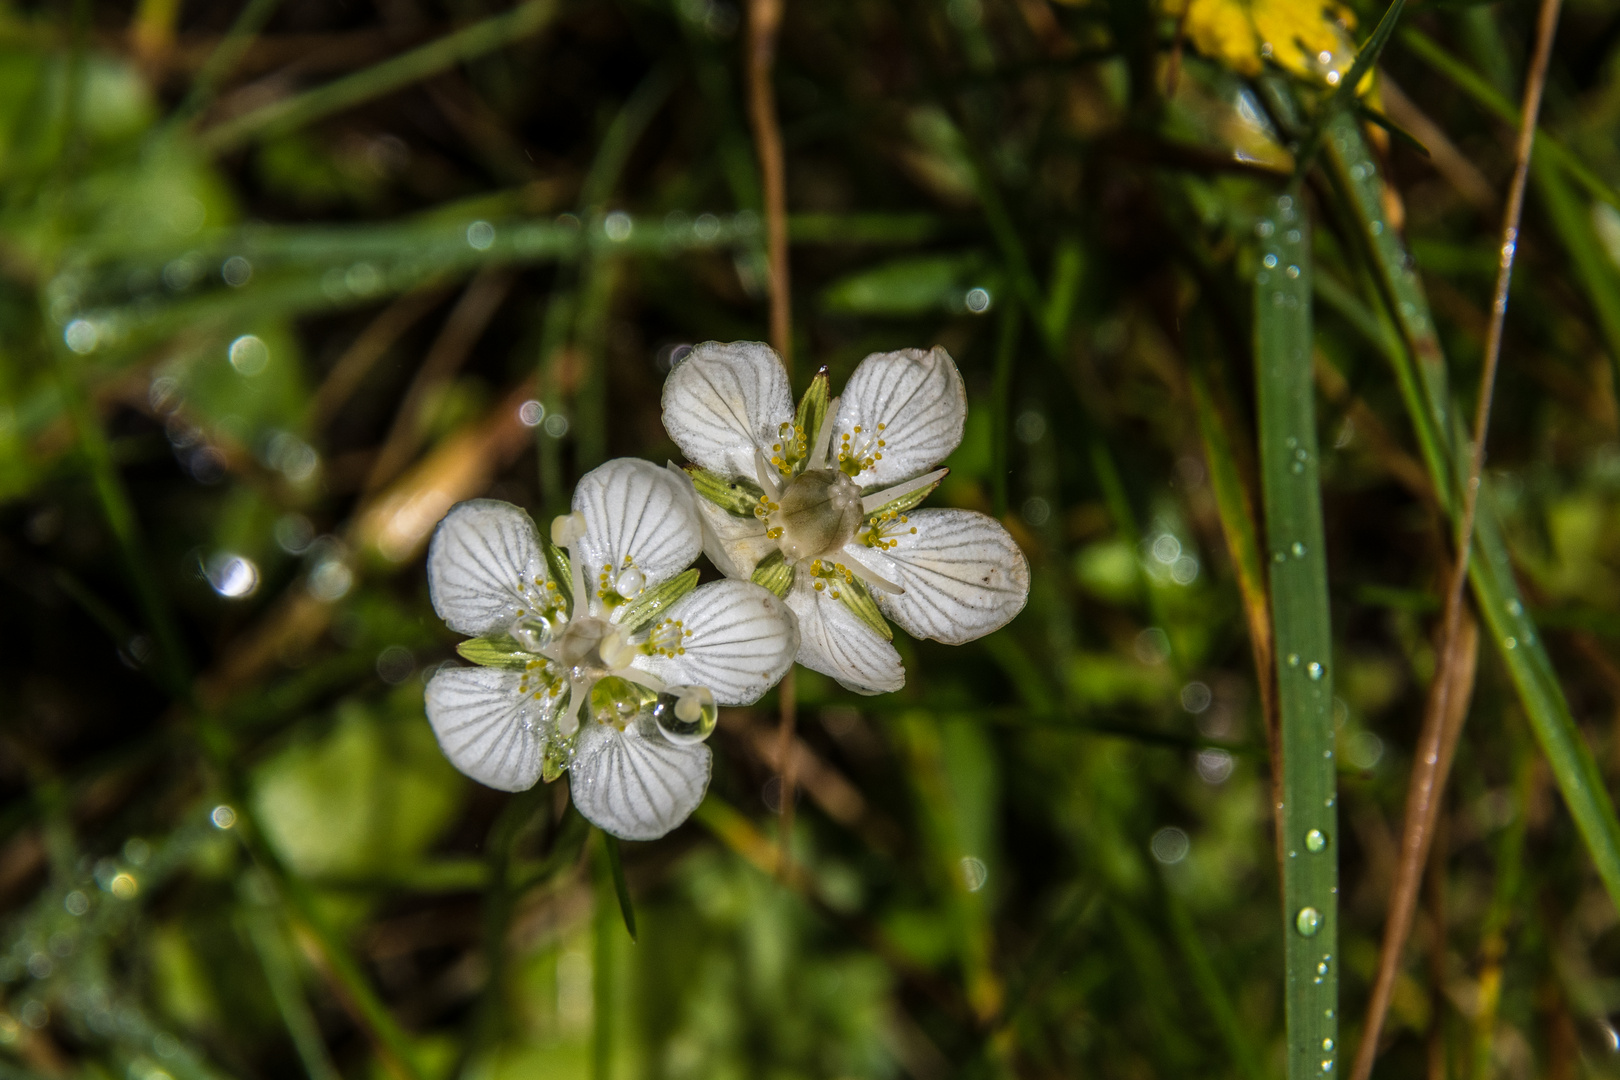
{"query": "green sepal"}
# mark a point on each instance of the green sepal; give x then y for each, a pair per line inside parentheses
(811, 415)
(775, 573)
(497, 652)
(853, 595)
(737, 497)
(905, 502)
(560, 570)
(656, 600)
(555, 761)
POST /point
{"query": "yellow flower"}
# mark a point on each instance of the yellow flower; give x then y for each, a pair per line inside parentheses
(1308, 38)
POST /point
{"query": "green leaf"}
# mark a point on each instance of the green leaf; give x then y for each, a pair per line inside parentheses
(621, 887)
(496, 652)
(1291, 489)
(813, 410)
(738, 497)
(854, 596)
(775, 573)
(561, 572)
(656, 600)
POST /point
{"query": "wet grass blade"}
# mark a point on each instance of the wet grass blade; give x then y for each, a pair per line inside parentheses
(1502, 609)
(1290, 486)
(464, 44)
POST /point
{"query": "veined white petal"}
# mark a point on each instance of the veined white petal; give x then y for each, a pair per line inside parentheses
(963, 573)
(913, 401)
(734, 544)
(486, 727)
(636, 514)
(834, 641)
(723, 401)
(484, 557)
(739, 641)
(634, 783)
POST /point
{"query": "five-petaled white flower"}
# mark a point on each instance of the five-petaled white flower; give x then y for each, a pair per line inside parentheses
(607, 661)
(817, 505)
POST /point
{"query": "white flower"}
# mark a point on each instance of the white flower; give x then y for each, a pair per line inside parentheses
(606, 661)
(817, 504)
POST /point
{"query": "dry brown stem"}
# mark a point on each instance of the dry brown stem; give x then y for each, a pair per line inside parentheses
(1453, 681)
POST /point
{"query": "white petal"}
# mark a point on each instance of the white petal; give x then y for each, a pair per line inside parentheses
(486, 727)
(833, 641)
(919, 399)
(634, 783)
(734, 544)
(483, 555)
(638, 512)
(963, 576)
(723, 401)
(742, 641)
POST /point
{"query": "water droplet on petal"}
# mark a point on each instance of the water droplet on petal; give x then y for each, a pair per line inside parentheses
(686, 714)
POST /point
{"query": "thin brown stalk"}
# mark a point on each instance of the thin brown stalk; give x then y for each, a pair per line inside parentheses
(1448, 693)
(371, 346)
(764, 25)
(449, 351)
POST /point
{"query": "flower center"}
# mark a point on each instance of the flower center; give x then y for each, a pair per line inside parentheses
(590, 647)
(818, 513)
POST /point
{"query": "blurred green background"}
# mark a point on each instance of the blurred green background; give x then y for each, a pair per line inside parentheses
(280, 282)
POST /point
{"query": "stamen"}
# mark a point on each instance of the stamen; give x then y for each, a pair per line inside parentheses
(818, 459)
(871, 578)
(640, 678)
(871, 502)
(763, 471)
(567, 530)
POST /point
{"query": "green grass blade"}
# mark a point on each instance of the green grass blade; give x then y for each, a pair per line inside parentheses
(621, 888)
(1571, 219)
(1496, 593)
(464, 44)
(1290, 486)
(1479, 88)
(269, 940)
(1208, 984)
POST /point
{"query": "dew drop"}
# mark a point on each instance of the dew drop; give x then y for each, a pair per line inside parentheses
(1315, 840)
(1308, 921)
(1327, 1065)
(1298, 549)
(1510, 643)
(1314, 670)
(1515, 608)
(1270, 261)
(1292, 271)
(1327, 1044)
(685, 714)
(1322, 969)
(1293, 659)
(1297, 469)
